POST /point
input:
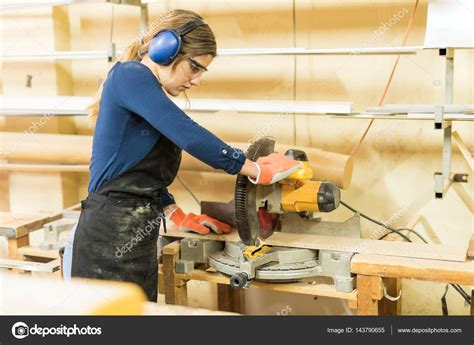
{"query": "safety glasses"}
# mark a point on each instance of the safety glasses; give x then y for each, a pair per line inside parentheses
(196, 68)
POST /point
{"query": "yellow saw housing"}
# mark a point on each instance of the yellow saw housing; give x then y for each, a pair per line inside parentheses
(300, 194)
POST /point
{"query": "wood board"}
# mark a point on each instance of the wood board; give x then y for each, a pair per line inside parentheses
(366, 246)
(420, 269)
(15, 225)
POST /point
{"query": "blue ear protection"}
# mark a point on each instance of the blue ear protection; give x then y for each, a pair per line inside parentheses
(167, 43)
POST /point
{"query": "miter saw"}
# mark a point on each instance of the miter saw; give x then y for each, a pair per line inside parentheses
(289, 206)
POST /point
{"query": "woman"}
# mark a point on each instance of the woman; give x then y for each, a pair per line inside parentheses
(136, 154)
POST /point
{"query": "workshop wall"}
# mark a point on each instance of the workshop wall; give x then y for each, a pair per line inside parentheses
(393, 171)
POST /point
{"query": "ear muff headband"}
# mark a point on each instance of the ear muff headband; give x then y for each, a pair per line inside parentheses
(167, 43)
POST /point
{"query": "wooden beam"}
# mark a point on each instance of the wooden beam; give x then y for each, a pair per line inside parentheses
(14, 244)
(386, 306)
(230, 299)
(175, 288)
(76, 150)
(466, 196)
(366, 304)
(472, 302)
(419, 269)
(320, 286)
(39, 168)
(470, 250)
(4, 189)
(464, 150)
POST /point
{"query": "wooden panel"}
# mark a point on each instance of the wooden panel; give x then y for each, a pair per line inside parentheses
(420, 269)
(367, 246)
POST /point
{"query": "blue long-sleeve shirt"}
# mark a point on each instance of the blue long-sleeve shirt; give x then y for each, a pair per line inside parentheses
(120, 142)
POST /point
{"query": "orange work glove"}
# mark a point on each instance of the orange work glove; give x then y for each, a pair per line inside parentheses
(201, 224)
(275, 167)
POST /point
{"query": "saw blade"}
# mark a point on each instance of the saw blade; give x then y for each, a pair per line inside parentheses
(246, 215)
(268, 222)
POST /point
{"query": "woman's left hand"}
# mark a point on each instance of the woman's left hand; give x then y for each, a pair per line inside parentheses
(201, 224)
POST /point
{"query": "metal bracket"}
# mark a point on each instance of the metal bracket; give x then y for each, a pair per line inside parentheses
(111, 52)
(52, 232)
(441, 123)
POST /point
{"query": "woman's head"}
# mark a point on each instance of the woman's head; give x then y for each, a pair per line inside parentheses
(198, 49)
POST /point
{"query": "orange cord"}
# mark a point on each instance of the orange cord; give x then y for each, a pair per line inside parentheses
(389, 81)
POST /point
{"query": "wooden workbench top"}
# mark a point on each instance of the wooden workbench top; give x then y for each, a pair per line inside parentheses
(355, 245)
(15, 225)
(411, 268)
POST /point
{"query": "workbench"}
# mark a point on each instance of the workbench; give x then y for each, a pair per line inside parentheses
(373, 272)
(17, 227)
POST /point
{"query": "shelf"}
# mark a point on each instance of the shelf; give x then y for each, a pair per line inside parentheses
(410, 116)
(76, 105)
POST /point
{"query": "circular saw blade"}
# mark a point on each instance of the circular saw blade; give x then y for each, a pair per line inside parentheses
(246, 212)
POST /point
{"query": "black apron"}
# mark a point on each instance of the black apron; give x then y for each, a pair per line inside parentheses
(116, 237)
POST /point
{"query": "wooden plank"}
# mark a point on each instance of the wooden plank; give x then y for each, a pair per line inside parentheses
(369, 246)
(464, 150)
(377, 291)
(49, 267)
(14, 225)
(38, 252)
(4, 189)
(320, 286)
(352, 304)
(465, 195)
(175, 288)
(230, 299)
(14, 244)
(366, 246)
(386, 306)
(44, 167)
(151, 308)
(472, 302)
(470, 250)
(420, 269)
(171, 248)
(366, 305)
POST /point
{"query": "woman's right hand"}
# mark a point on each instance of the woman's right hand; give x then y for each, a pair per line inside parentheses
(272, 168)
